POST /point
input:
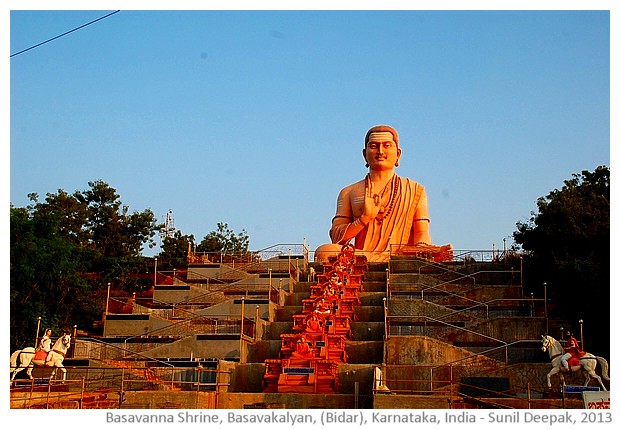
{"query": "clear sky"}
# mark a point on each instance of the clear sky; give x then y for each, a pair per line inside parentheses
(257, 118)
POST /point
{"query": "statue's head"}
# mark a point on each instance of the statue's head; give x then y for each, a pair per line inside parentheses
(381, 129)
(384, 139)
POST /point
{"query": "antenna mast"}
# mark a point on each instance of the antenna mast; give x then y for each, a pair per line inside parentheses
(167, 231)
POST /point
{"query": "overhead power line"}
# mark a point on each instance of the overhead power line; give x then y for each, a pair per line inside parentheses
(64, 34)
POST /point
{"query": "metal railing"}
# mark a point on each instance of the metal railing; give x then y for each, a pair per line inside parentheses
(517, 397)
(106, 386)
(530, 307)
(446, 379)
(392, 286)
(494, 255)
(421, 325)
(215, 295)
(442, 284)
(254, 260)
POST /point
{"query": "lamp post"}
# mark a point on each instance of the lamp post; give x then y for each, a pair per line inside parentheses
(385, 318)
(581, 332)
(241, 357)
(155, 275)
(256, 317)
(74, 340)
(545, 297)
(280, 295)
(521, 273)
(107, 301)
(36, 339)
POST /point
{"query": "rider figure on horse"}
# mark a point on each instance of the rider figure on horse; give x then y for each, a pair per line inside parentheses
(46, 341)
(45, 345)
(572, 352)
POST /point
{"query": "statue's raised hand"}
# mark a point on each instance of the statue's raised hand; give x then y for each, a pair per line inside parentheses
(372, 205)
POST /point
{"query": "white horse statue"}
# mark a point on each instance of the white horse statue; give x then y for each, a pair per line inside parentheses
(54, 359)
(587, 363)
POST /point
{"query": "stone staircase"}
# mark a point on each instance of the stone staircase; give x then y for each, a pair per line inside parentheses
(322, 319)
(445, 322)
(449, 322)
(474, 306)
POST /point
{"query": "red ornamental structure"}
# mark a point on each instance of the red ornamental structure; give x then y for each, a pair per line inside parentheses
(310, 355)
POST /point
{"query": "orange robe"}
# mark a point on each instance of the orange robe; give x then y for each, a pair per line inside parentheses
(572, 347)
(410, 203)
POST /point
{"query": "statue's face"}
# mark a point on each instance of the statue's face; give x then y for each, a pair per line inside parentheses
(381, 152)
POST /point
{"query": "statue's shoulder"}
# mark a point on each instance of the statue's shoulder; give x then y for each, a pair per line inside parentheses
(354, 188)
(406, 181)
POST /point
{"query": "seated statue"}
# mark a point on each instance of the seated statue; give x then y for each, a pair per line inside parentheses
(322, 307)
(303, 348)
(333, 286)
(314, 323)
(382, 213)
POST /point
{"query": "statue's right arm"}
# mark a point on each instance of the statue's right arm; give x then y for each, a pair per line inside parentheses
(344, 225)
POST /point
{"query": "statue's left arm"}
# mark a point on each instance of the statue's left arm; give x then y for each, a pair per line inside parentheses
(421, 222)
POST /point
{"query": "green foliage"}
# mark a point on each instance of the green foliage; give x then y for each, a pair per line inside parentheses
(96, 218)
(224, 240)
(568, 243)
(174, 251)
(46, 278)
(65, 250)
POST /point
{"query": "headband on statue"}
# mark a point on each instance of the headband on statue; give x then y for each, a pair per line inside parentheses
(381, 129)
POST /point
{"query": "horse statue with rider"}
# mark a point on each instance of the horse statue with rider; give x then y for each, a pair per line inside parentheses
(570, 358)
(45, 355)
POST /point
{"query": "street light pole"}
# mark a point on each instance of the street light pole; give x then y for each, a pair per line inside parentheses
(545, 296)
(107, 301)
(74, 340)
(36, 340)
(241, 357)
(256, 317)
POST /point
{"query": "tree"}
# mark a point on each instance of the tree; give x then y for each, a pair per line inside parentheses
(174, 251)
(72, 211)
(97, 218)
(113, 231)
(568, 247)
(65, 250)
(46, 277)
(224, 240)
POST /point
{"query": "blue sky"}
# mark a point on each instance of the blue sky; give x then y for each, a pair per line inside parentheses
(257, 118)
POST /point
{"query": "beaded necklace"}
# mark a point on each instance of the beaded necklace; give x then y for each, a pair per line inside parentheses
(394, 183)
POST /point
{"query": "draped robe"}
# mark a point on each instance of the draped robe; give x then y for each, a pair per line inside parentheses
(398, 227)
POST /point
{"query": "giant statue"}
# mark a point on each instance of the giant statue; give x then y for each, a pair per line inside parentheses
(382, 213)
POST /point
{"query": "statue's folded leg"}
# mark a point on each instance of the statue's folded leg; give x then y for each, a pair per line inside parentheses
(324, 251)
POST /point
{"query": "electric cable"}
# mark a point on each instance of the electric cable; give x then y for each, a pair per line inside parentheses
(63, 34)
